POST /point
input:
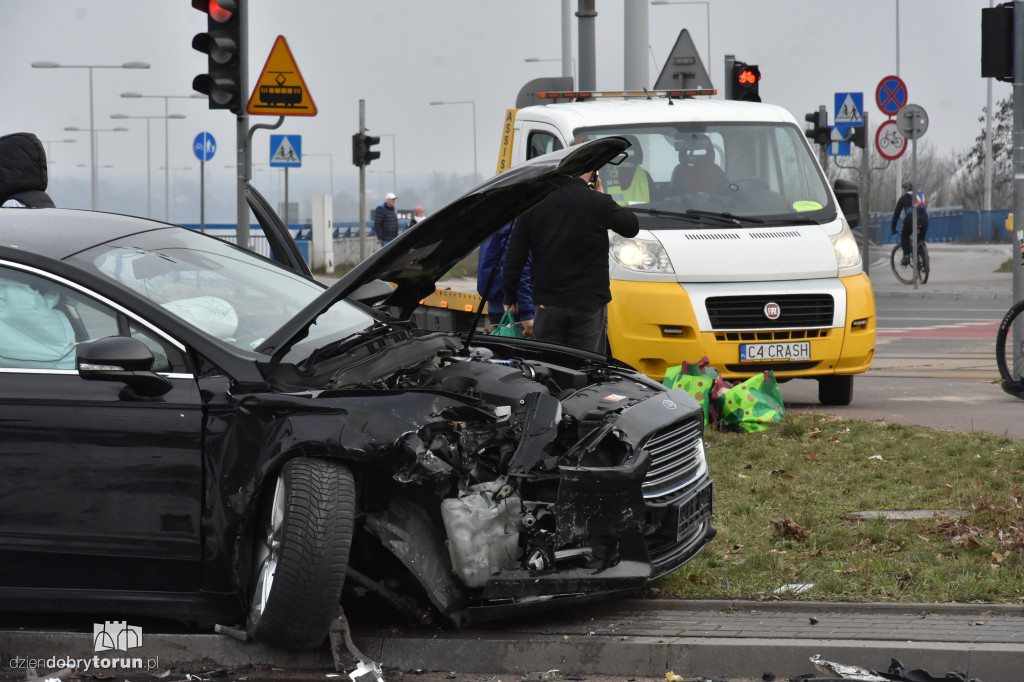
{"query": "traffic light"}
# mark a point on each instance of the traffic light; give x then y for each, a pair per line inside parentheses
(859, 137)
(997, 42)
(222, 44)
(745, 80)
(818, 131)
(361, 152)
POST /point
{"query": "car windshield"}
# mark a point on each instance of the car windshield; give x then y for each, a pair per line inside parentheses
(682, 175)
(230, 293)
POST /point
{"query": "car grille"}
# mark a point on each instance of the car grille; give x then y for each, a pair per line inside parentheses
(667, 555)
(677, 460)
(747, 312)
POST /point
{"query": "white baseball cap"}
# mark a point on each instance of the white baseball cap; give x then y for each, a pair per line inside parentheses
(390, 195)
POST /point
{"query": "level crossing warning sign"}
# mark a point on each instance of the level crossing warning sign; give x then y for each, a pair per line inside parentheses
(280, 90)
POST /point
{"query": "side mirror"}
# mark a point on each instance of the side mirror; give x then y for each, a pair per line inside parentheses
(122, 359)
(849, 201)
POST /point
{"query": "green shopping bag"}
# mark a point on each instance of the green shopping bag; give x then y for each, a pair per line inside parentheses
(753, 404)
(696, 379)
(507, 326)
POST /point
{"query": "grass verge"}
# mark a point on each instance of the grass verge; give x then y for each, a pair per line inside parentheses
(782, 500)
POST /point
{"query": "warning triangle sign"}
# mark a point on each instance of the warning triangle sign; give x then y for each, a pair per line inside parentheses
(848, 112)
(280, 90)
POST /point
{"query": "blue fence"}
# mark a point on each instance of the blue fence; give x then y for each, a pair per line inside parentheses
(947, 224)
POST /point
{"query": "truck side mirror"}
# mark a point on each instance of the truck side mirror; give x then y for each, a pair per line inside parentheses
(849, 201)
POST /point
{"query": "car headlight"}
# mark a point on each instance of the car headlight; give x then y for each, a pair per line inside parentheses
(847, 251)
(641, 255)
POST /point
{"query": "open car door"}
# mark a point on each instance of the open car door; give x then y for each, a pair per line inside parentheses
(282, 246)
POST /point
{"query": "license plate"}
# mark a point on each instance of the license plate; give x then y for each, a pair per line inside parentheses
(771, 352)
(692, 510)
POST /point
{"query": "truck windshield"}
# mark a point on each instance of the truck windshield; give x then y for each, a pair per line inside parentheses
(748, 170)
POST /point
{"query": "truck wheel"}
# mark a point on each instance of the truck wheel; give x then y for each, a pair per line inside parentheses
(300, 553)
(835, 390)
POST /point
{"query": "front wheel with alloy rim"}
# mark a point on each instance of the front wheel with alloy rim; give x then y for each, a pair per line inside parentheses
(300, 553)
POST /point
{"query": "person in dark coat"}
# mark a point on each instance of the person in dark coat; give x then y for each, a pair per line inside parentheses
(385, 220)
(908, 202)
(23, 175)
(489, 284)
(566, 235)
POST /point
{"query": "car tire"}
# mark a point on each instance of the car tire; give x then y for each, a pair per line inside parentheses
(835, 390)
(300, 553)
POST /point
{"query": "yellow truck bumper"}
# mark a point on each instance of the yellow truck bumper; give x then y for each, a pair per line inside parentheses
(652, 326)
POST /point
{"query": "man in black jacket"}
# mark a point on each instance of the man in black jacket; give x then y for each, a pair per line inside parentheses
(23, 176)
(385, 220)
(567, 235)
(908, 202)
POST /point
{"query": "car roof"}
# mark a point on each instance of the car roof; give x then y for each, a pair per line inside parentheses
(58, 232)
(604, 112)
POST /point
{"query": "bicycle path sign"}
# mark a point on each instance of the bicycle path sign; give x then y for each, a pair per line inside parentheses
(891, 95)
(889, 141)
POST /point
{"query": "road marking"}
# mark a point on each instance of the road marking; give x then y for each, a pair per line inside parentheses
(962, 330)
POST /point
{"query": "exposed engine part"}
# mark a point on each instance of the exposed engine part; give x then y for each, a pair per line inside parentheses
(404, 603)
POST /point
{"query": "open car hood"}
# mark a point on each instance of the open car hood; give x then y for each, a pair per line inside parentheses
(417, 258)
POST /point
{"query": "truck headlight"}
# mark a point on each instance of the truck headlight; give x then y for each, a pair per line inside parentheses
(641, 255)
(847, 251)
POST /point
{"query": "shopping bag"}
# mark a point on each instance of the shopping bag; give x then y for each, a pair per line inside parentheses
(507, 326)
(753, 405)
(697, 379)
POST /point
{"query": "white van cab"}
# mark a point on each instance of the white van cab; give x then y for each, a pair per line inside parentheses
(744, 255)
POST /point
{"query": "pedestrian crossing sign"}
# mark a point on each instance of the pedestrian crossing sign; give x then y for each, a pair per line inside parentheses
(286, 151)
(849, 109)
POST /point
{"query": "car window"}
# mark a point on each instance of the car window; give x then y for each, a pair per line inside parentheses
(42, 323)
(229, 293)
(541, 143)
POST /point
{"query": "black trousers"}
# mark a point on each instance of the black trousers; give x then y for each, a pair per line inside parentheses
(583, 329)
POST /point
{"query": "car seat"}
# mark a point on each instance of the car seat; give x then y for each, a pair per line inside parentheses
(624, 182)
(697, 170)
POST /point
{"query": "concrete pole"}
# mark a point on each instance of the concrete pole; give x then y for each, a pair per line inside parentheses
(988, 143)
(865, 193)
(587, 15)
(636, 39)
(1018, 172)
(913, 198)
(567, 59)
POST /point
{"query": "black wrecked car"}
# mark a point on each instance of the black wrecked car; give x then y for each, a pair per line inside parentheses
(193, 431)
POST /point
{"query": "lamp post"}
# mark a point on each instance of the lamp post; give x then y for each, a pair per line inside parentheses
(437, 103)
(330, 158)
(175, 169)
(49, 142)
(167, 147)
(94, 133)
(707, 10)
(149, 165)
(92, 144)
(571, 70)
(394, 165)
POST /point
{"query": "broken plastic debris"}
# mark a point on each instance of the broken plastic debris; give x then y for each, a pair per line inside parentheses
(793, 588)
(849, 672)
(672, 677)
(367, 672)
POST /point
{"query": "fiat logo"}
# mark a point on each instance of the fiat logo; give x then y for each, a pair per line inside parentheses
(772, 310)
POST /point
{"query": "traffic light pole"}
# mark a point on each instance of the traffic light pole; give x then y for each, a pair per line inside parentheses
(362, 187)
(243, 142)
(1018, 172)
(865, 187)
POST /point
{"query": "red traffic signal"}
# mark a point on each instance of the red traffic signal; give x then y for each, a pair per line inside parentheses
(745, 80)
(222, 43)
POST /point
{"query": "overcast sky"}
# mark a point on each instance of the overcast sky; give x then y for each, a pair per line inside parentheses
(399, 55)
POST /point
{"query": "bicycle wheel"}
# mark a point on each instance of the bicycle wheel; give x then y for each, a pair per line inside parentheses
(1005, 350)
(904, 273)
(924, 266)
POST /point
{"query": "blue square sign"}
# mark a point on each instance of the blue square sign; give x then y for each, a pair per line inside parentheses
(286, 151)
(849, 109)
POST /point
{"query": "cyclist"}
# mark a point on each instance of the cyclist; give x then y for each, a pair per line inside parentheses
(907, 202)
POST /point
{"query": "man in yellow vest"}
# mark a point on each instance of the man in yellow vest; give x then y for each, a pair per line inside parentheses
(628, 183)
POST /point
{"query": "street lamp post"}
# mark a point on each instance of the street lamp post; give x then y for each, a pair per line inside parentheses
(49, 142)
(94, 133)
(167, 146)
(92, 143)
(394, 165)
(436, 103)
(149, 164)
(330, 158)
(571, 70)
(707, 10)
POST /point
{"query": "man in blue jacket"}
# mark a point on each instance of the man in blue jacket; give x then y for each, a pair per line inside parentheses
(489, 284)
(385, 220)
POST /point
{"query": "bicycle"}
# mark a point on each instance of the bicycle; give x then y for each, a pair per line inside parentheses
(1013, 383)
(905, 273)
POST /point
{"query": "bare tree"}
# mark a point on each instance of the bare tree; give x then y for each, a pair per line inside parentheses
(968, 181)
